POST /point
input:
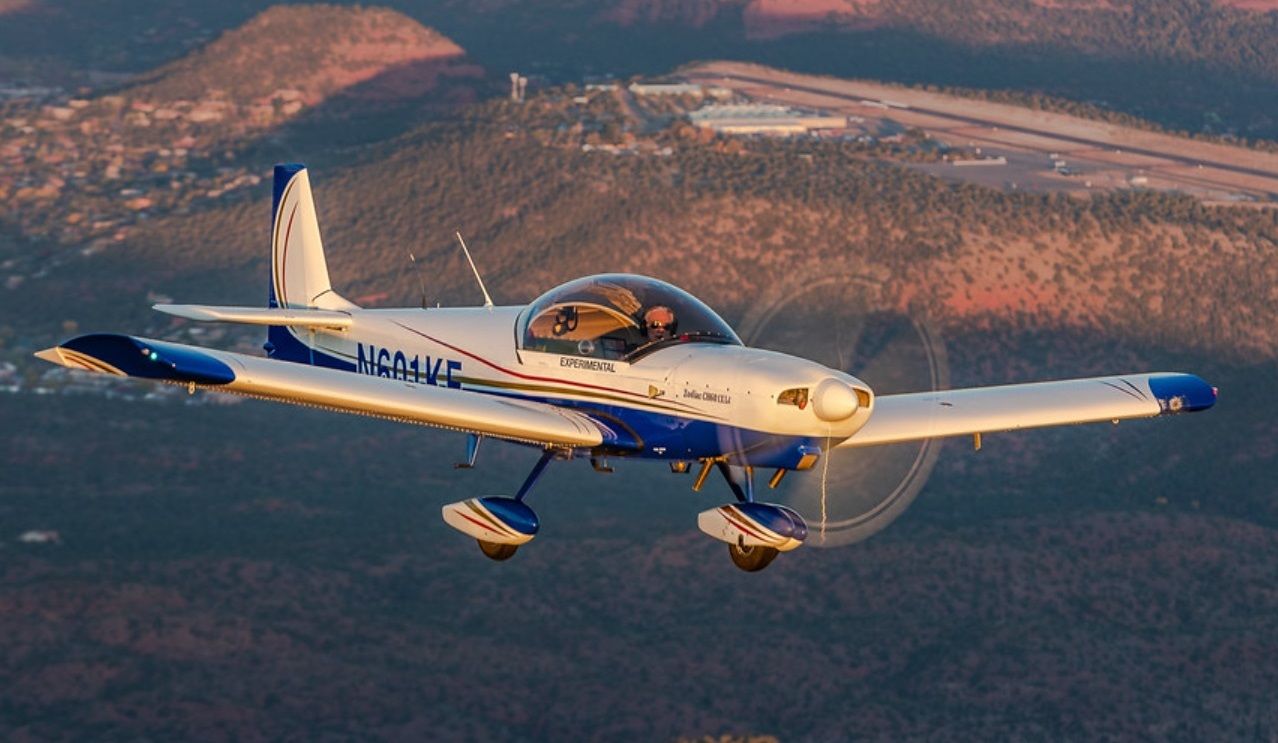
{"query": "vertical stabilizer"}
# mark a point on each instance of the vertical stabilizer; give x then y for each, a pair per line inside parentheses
(299, 273)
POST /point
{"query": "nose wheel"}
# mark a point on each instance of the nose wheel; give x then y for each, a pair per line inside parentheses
(754, 532)
(752, 558)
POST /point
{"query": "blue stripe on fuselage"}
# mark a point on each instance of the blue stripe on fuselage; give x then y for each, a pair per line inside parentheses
(282, 345)
(651, 435)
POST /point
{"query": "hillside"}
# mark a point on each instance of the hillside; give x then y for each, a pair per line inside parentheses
(257, 572)
(766, 215)
(1256, 6)
(1099, 27)
(1191, 65)
(83, 170)
(757, 219)
(304, 53)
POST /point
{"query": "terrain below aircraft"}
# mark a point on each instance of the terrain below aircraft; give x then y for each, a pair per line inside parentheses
(613, 365)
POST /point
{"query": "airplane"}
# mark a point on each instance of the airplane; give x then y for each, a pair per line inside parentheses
(610, 365)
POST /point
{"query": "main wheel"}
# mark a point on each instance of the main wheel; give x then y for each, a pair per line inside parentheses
(752, 559)
(498, 552)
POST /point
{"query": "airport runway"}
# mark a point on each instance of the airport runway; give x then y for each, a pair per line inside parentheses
(1109, 153)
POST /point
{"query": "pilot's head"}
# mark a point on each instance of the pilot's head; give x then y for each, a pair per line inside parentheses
(659, 322)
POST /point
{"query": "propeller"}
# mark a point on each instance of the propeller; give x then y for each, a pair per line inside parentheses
(840, 320)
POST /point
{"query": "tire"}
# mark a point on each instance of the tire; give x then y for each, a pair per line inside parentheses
(498, 552)
(752, 559)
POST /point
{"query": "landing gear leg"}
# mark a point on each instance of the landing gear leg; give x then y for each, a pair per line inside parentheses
(500, 552)
(742, 484)
(497, 523)
(537, 469)
(472, 452)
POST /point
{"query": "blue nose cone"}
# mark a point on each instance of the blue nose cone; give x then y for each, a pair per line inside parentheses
(1182, 393)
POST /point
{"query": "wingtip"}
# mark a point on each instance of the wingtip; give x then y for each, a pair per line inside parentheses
(52, 355)
(1182, 393)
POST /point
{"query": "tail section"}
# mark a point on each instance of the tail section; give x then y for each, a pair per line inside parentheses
(299, 273)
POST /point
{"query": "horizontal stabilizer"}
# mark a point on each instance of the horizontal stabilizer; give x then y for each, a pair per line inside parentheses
(929, 415)
(331, 389)
(297, 318)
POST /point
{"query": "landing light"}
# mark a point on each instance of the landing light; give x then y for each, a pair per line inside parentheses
(834, 400)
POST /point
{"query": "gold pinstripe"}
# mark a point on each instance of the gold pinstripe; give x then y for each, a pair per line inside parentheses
(677, 408)
(496, 523)
(90, 363)
(771, 535)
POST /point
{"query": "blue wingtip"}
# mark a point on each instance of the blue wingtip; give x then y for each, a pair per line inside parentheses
(153, 360)
(1182, 393)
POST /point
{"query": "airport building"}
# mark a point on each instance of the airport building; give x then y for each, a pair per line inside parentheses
(762, 119)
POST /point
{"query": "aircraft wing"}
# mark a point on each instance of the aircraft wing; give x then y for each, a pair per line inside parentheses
(929, 415)
(332, 389)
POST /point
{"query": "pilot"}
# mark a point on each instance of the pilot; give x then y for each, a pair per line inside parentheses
(659, 323)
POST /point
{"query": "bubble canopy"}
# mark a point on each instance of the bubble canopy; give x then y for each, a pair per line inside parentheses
(618, 317)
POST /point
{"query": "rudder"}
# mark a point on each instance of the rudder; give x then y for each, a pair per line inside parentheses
(299, 273)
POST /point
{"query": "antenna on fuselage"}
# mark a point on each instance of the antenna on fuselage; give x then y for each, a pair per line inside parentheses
(488, 301)
(421, 283)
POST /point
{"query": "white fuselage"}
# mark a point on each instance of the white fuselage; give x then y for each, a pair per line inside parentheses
(732, 388)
